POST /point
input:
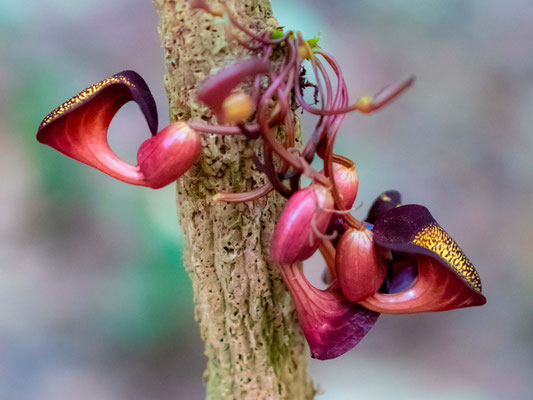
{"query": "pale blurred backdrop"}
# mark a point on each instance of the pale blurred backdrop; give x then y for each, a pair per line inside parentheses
(94, 302)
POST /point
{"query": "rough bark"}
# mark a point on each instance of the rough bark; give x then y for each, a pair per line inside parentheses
(253, 344)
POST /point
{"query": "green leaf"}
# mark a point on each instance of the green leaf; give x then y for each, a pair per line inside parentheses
(313, 42)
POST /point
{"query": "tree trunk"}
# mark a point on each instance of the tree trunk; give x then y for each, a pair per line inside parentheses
(253, 343)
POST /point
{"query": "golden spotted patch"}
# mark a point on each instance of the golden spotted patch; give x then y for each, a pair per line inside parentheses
(82, 96)
(437, 240)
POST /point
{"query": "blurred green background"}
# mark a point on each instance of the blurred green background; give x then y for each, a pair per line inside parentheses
(94, 302)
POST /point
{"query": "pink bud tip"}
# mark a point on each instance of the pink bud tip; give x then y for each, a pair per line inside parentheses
(360, 270)
(305, 217)
(347, 183)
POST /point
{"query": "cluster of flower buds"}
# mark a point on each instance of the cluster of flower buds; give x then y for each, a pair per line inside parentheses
(398, 260)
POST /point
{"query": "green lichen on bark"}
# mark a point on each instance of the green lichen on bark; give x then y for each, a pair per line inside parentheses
(253, 343)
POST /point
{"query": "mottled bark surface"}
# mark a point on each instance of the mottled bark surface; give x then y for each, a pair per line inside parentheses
(253, 344)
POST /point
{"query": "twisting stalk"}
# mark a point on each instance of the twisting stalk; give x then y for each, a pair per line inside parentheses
(253, 343)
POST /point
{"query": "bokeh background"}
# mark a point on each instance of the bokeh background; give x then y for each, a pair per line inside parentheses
(94, 303)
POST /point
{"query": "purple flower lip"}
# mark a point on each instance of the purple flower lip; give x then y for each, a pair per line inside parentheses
(331, 324)
(116, 90)
(386, 201)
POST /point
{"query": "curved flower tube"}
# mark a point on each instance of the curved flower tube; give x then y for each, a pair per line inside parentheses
(330, 323)
(446, 278)
(78, 128)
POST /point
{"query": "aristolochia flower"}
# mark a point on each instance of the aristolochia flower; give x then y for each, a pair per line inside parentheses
(78, 129)
(442, 276)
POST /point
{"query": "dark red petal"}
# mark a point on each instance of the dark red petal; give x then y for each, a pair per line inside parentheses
(78, 127)
(385, 202)
(330, 323)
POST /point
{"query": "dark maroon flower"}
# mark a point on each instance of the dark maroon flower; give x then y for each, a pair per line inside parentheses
(331, 324)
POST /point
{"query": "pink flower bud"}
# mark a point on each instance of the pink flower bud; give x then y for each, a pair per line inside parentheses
(360, 270)
(346, 179)
(347, 183)
(166, 156)
(295, 236)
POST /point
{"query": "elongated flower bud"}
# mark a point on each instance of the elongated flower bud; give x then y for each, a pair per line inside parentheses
(347, 183)
(330, 323)
(295, 237)
(360, 270)
(166, 156)
(386, 201)
(346, 179)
